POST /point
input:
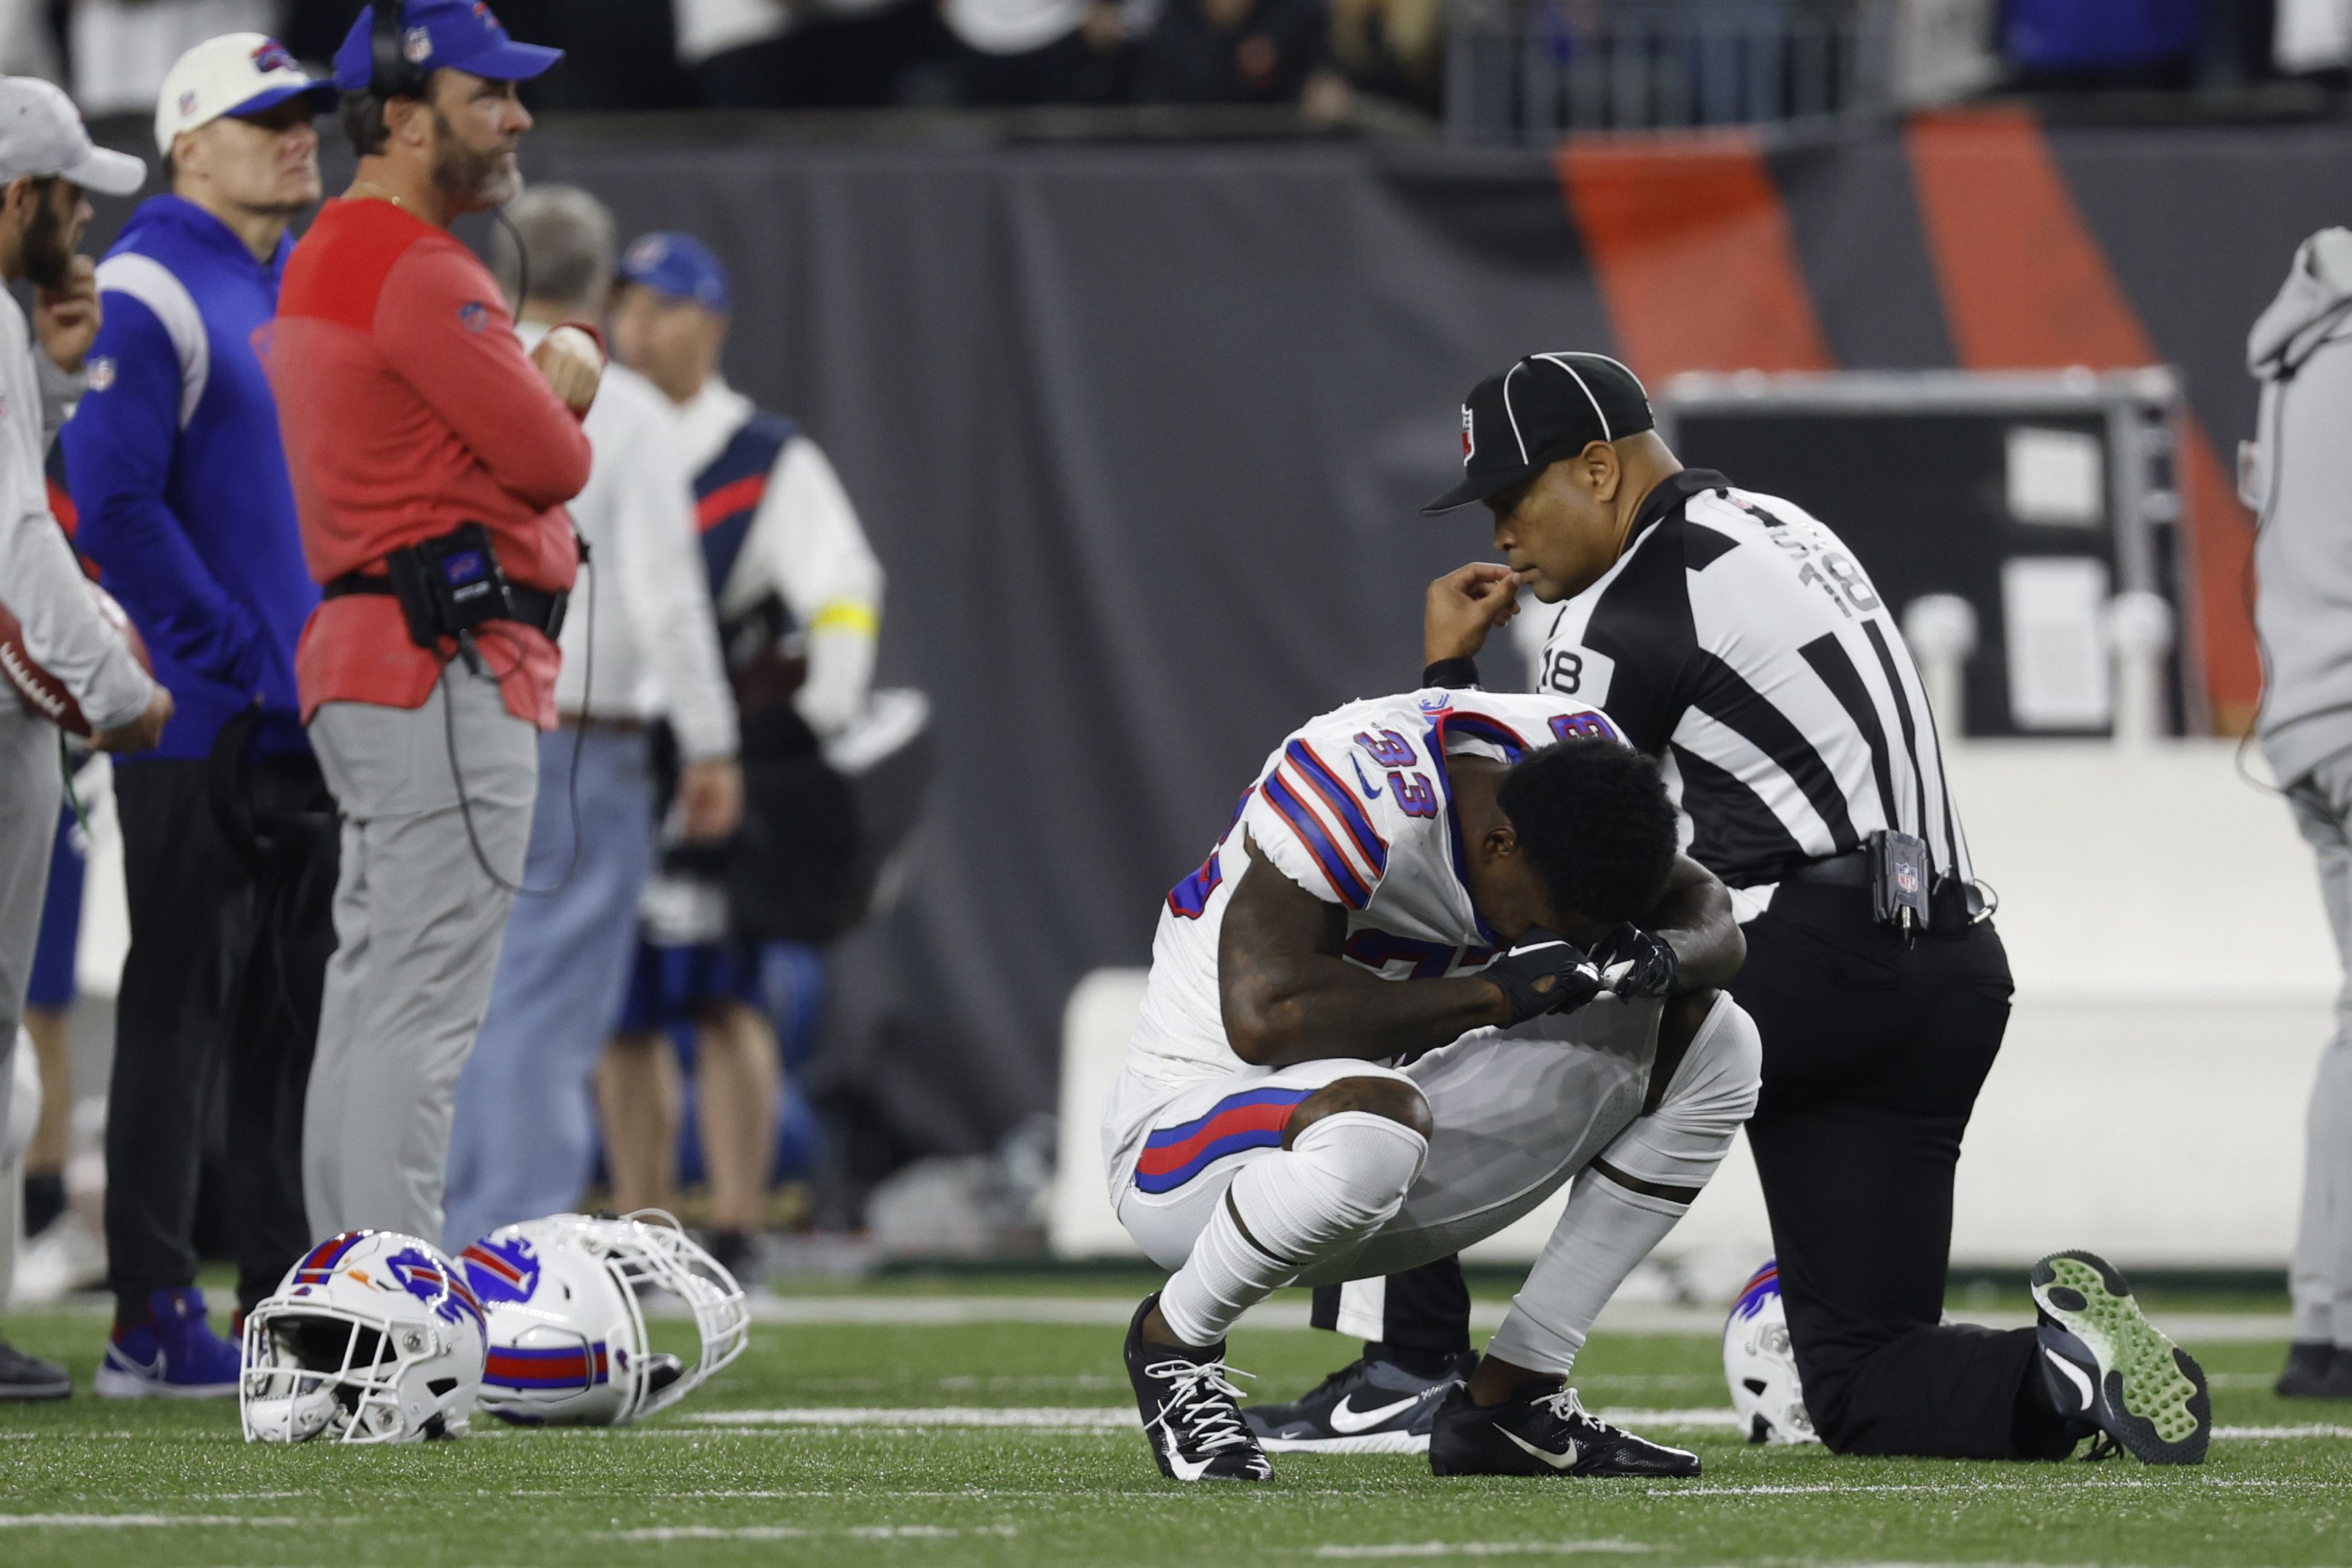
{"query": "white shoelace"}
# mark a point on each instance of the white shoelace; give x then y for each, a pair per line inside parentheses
(1204, 1401)
(1565, 1406)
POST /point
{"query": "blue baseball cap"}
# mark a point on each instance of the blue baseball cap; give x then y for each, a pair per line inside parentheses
(677, 267)
(463, 34)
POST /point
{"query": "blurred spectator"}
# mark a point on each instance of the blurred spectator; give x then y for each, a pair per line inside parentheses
(734, 51)
(2312, 37)
(1391, 48)
(181, 484)
(2076, 45)
(1234, 51)
(620, 54)
(524, 1138)
(1021, 52)
(49, 1018)
(799, 598)
(28, 43)
(121, 49)
(809, 53)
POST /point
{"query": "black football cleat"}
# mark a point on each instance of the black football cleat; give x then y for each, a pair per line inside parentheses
(1542, 1431)
(2316, 1369)
(1366, 1407)
(1192, 1412)
(27, 1378)
(2104, 1362)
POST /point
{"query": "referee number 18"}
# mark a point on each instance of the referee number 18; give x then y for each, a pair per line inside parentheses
(1566, 674)
(1836, 572)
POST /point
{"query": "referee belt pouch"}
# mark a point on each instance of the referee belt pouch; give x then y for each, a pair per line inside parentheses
(1906, 894)
(449, 585)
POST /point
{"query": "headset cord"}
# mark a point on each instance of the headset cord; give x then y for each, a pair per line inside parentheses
(472, 656)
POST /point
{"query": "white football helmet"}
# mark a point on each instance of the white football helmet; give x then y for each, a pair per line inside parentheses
(567, 1326)
(373, 1337)
(1761, 1367)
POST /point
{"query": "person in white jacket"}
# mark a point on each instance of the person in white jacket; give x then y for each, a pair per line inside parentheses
(47, 162)
(799, 594)
(2300, 484)
(641, 640)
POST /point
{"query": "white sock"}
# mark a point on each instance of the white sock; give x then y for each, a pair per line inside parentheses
(1608, 1229)
(1340, 1181)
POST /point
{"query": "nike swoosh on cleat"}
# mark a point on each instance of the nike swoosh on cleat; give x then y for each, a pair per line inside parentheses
(2075, 1375)
(1556, 1461)
(129, 1364)
(1348, 1420)
(1184, 1471)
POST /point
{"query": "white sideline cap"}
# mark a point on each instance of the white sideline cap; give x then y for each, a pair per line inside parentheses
(41, 134)
(236, 73)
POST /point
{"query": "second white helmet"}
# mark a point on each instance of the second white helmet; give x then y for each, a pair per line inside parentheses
(1762, 1366)
(565, 1298)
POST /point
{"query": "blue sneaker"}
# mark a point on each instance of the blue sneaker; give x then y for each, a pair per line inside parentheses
(174, 1355)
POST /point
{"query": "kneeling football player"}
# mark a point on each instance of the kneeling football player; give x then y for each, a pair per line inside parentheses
(1446, 958)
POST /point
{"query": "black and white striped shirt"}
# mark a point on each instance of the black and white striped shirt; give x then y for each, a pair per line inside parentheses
(1737, 641)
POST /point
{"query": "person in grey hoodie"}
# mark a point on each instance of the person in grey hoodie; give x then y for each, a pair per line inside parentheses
(2300, 482)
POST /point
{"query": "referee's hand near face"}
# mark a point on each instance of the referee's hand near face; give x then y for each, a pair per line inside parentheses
(1735, 638)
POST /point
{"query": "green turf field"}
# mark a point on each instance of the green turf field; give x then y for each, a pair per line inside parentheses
(852, 1442)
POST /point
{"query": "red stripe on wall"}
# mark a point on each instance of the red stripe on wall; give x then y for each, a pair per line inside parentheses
(1694, 253)
(2026, 286)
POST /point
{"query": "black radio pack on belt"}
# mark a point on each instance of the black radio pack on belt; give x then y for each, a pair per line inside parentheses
(450, 585)
(1900, 879)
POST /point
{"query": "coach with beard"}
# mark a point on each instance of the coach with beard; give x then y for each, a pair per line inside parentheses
(431, 457)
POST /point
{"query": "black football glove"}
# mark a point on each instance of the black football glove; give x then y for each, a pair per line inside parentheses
(1544, 973)
(1635, 965)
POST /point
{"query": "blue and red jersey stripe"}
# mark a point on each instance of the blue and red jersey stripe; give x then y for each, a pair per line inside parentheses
(1320, 844)
(1343, 802)
(1254, 1119)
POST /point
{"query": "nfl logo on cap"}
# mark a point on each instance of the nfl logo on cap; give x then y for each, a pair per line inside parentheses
(417, 46)
(1469, 447)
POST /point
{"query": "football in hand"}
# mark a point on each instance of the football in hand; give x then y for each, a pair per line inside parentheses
(44, 694)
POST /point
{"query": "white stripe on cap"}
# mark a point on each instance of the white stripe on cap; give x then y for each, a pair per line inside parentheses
(1514, 418)
(1561, 361)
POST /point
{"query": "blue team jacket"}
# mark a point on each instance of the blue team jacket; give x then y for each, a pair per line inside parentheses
(174, 463)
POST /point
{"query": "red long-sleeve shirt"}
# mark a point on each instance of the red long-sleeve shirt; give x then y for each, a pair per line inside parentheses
(409, 408)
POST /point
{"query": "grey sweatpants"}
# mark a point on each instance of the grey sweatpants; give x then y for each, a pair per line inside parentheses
(31, 783)
(2321, 1278)
(419, 926)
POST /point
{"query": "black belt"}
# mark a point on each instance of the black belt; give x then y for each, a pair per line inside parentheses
(533, 607)
(1953, 903)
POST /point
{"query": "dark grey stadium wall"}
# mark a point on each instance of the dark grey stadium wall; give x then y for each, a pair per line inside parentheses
(1139, 429)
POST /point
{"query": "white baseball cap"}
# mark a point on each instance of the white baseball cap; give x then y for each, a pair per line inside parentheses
(41, 134)
(236, 73)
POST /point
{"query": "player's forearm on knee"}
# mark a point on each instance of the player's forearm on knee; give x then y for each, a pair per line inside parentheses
(1319, 1008)
(1695, 919)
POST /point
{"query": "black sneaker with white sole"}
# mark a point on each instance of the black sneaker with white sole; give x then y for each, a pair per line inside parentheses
(1542, 1431)
(1366, 1407)
(2103, 1361)
(29, 1377)
(1191, 1412)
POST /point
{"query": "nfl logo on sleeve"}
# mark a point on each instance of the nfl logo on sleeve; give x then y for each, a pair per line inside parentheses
(101, 373)
(1469, 446)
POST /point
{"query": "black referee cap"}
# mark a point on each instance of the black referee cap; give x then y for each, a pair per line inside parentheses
(1544, 409)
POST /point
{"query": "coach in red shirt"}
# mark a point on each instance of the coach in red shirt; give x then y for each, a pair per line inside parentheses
(411, 411)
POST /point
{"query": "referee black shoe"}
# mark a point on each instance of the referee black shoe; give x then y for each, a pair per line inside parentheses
(2104, 1362)
(25, 1378)
(1192, 1412)
(1542, 1431)
(1368, 1406)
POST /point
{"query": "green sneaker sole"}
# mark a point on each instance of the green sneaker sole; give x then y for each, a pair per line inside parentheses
(2153, 1397)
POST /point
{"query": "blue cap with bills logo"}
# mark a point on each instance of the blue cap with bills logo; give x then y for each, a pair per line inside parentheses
(678, 266)
(459, 35)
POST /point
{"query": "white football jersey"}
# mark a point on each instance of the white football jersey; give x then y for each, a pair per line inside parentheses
(1356, 808)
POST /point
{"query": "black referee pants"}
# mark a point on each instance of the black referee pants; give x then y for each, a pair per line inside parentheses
(231, 884)
(1874, 1052)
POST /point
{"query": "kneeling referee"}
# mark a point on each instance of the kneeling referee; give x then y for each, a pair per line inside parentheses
(1737, 639)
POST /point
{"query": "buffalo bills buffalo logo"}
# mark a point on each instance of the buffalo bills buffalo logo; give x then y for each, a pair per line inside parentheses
(273, 56)
(501, 1270)
(424, 1277)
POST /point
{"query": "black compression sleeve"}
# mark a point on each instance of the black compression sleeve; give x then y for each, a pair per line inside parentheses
(1453, 674)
